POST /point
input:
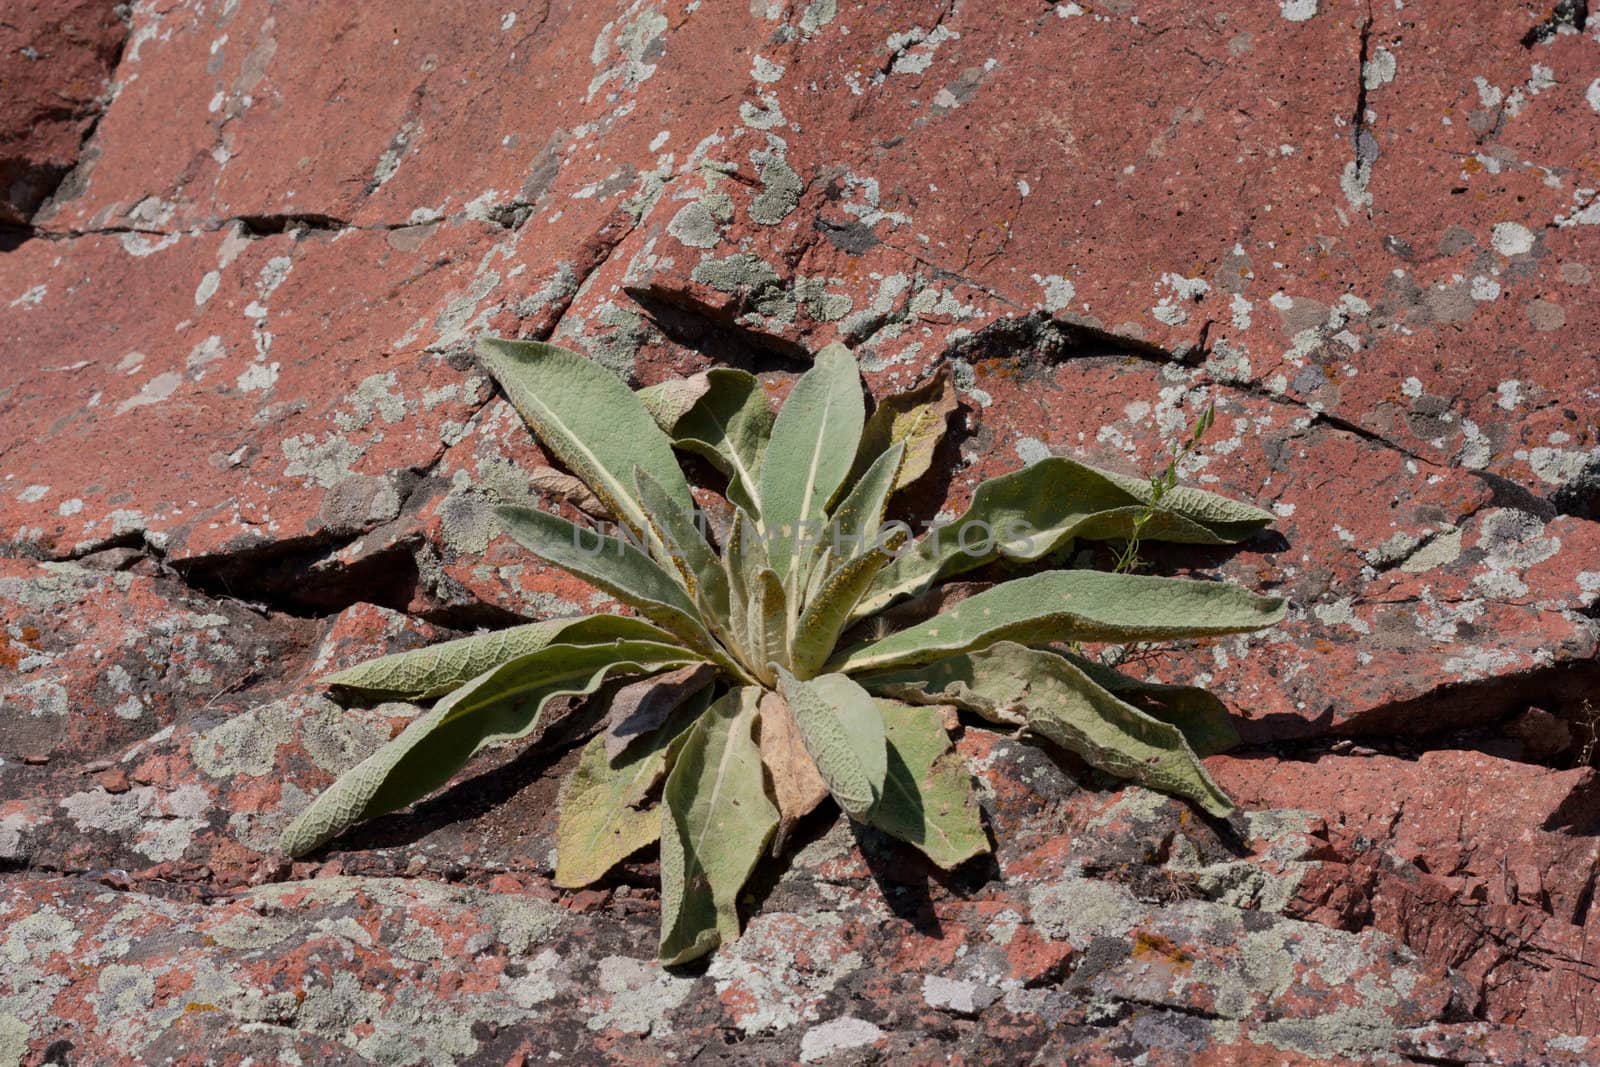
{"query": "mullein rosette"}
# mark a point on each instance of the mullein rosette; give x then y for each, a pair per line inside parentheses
(770, 671)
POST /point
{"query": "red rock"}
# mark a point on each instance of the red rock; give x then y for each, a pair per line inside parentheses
(113, 781)
(239, 388)
(56, 60)
(1456, 854)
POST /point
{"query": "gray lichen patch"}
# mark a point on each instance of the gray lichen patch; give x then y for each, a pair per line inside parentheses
(248, 743)
(1078, 910)
(636, 996)
(738, 273)
(523, 923)
(695, 226)
(780, 192)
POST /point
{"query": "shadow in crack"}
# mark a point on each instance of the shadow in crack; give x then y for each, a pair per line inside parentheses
(716, 333)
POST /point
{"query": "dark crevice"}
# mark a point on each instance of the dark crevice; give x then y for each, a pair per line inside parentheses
(291, 577)
(1455, 716)
(1055, 340)
(1580, 497)
(44, 184)
(716, 332)
(1358, 122)
(250, 226)
(1505, 493)
(272, 225)
(1571, 15)
(1363, 142)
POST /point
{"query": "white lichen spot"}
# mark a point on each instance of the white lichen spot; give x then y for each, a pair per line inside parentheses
(1379, 70)
(1031, 450)
(1171, 310)
(207, 287)
(32, 298)
(154, 391)
(33, 494)
(765, 70)
(837, 1035)
(1241, 309)
(1476, 448)
(1058, 291)
(1484, 288)
(636, 42)
(818, 14)
(1512, 239)
(1509, 394)
(256, 378)
(1340, 613)
(1297, 10)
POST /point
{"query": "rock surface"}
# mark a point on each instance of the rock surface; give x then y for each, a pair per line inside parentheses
(246, 251)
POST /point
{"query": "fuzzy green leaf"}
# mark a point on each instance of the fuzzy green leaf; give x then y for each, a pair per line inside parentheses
(1041, 508)
(1230, 520)
(927, 795)
(767, 622)
(1073, 606)
(424, 673)
(828, 611)
(1199, 713)
(716, 821)
(729, 424)
(680, 540)
(612, 565)
(916, 419)
(813, 445)
(603, 818)
(589, 419)
(502, 704)
(843, 731)
(856, 524)
(1055, 699)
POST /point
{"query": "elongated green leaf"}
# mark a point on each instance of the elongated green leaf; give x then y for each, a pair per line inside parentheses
(589, 419)
(915, 419)
(1062, 703)
(716, 821)
(1040, 509)
(855, 525)
(828, 612)
(501, 704)
(1203, 719)
(927, 795)
(424, 673)
(843, 731)
(813, 445)
(680, 539)
(1231, 520)
(603, 818)
(767, 623)
(951, 681)
(727, 421)
(1198, 712)
(610, 564)
(1073, 606)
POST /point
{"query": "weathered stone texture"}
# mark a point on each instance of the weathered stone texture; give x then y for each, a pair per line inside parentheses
(245, 248)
